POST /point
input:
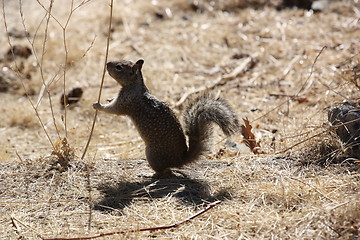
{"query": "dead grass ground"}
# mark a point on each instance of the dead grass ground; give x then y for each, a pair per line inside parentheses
(304, 193)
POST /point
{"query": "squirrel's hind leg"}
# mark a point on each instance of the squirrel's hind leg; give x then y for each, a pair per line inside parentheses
(166, 173)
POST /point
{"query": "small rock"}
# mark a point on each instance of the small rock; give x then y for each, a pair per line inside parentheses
(18, 51)
(71, 97)
(302, 4)
(348, 119)
(320, 5)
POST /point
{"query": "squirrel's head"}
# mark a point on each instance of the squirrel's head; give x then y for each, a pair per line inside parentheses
(126, 72)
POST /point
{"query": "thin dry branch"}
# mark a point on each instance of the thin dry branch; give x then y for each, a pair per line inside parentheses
(13, 219)
(220, 81)
(89, 193)
(311, 71)
(207, 208)
(73, 10)
(290, 65)
(64, 28)
(56, 20)
(16, 227)
(102, 78)
(88, 49)
(24, 26)
(65, 65)
(316, 135)
(21, 80)
(317, 190)
(303, 141)
(301, 89)
(40, 62)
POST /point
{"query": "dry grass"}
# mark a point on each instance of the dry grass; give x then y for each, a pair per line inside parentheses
(310, 191)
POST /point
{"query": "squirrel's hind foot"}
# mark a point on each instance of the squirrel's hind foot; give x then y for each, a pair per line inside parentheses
(167, 173)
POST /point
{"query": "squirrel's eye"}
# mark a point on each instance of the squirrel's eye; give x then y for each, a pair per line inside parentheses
(118, 67)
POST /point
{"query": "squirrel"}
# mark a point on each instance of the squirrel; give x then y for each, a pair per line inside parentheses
(157, 124)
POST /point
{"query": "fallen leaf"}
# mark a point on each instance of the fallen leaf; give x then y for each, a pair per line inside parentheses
(301, 99)
(249, 137)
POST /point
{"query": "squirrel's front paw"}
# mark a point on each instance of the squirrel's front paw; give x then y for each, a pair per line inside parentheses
(97, 106)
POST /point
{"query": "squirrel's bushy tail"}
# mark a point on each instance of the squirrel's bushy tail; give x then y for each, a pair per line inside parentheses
(199, 115)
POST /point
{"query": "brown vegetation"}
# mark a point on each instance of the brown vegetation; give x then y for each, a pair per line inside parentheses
(281, 68)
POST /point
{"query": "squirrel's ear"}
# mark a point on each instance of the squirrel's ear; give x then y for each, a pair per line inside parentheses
(138, 64)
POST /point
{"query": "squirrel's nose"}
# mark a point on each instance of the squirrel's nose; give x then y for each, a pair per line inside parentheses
(110, 65)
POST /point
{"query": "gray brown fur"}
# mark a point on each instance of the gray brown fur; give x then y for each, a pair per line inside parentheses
(157, 124)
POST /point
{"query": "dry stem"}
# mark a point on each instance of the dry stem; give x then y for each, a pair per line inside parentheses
(22, 83)
(208, 207)
(102, 78)
(220, 81)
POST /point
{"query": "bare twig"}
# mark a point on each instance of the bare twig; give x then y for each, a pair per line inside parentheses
(220, 81)
(208, 207)
(90, 198)
(317, 190)
(339, 205)
(40, 62)
(311, 71)
(305, 140)
(290, 66)
(89, 190)
(20, 158)
(73, 10)
(90, 46)
(316, 135)
(102, 78)
(42, 67)
(21, 81)
(301, 89)
(64, 28)
(273, 109)
(65, 65)
(26, 226)
(17, 229)
(41, 202)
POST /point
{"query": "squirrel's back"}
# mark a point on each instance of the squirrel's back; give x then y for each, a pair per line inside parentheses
(164, 137)
(161, 131)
